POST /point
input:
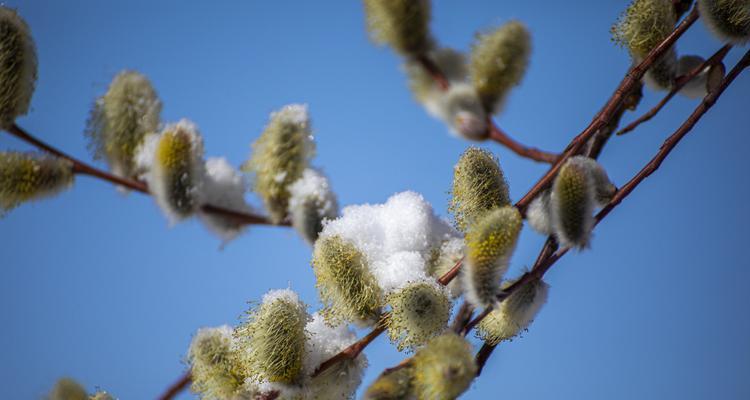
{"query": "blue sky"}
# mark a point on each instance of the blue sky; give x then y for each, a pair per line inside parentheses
(96, 285)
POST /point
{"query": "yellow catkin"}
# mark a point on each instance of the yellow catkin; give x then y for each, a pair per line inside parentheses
(18, 66)
(401, 24)
(419, 311)
(499, 59)
(67, 389)
(729, 20)
(213, 364)
(395, 385)
(444, 368)
(31, 176)
(478, 186)
(348, 290)
(514, 314)
(572, 205)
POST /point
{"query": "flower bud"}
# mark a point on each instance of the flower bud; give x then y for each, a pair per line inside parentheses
(478, 186)
(729, 20)
(444, 259)
(101, 395)
(604, 188)
(346, 286)
(514, 314)
(31, 176)
(662, 74)
(572, 204)
(401, 24)
(698, 86)
(644, 25)
(422, 83)
(18, 67)
(444, 368)
(462, 110)
(419, 311)
(393, 385)
(177, 172)
(271, 343)
(213, 364)
(311, 203)
(280, 156)
(498, 62)
(538, 213)
(68, 389)
(121, 118)
(489, 244)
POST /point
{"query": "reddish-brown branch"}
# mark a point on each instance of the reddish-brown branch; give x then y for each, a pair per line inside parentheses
(180, 385)
(603, 117)
(679, 84)
(463, 316)
(80, 167)
(543, 264)
(493, 131)
(482, 355)
(353, 350)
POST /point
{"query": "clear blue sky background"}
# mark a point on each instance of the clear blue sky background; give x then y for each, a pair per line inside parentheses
(96, 286)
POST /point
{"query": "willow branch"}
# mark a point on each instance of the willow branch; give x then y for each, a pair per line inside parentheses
(494, 132)
(181, 384)
(679, 84)
(604, 116)
(543, 265)
(80, 167)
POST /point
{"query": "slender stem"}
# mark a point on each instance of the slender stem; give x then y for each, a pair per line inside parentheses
(354, 349)
(679, 84)
(603, 117)
(493, 131)
(181, 384)
(80, 167)
(463, 316)
(482, 355)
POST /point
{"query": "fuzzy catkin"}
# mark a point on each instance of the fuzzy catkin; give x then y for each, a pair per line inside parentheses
(514, 314)
(279, 157)
(444, 368)
(498, 62)
(489, 244)
(31, 176)
(121, 118)
(392, 385)
(311, 203)
(18, 67)
(419, 311)
(401, 24)
(213, 364)
(272, 341)
(347, 288)
(478, 186)
(177, 172)
(572, 205)
(67, 389)
(729, 20)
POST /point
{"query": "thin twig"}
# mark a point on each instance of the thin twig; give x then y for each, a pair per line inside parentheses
(482, 355)
(493, 131)
(180, 385)
(679, 84)
(603, 117)
(463, 316)
(80, 167)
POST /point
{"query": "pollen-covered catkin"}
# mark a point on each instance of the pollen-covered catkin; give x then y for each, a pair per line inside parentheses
(514, 314)
(729, 20)
(643, 25)
(213, 364)
(311, 203)
(444, 368)
(419, 311)
(498, 62)
(279, 158)
(392, 385)
(478, 186)
(572, 204)
(401, 24)
(489, 244)
(18, 66)
(31, 176)
(67, 389)
(121, 118)
(271, 343)
(177, 172)
(347, 288)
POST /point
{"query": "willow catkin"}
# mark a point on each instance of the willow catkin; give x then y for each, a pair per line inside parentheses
(444, 368)
(18, 67)
(514, 314)
(31, 176)
(419, 311)
(213, 363)
(729, 20)
(401, 24)
(121, 118)
(499, 59)
(572, 204)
